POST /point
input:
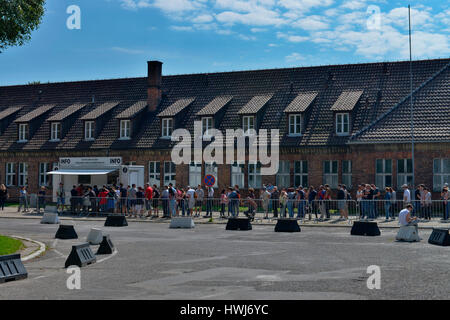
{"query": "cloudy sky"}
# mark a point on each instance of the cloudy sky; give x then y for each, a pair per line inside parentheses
(117, 37)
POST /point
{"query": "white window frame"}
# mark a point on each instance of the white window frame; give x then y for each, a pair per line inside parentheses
(125, 129)
(89, 130)
(44, 178)
(154, 173)
(248, 123)
(380, 177)
(237, 169)
(440, 175)
(254, 178)
(212, 169)
(23, 174)
(406, 176)
(302, 174)
(341, 120)
(207, 124)
(283, 177)
(295, 124)
(23, 132)
(169, 175)
(166, 127)
(10, 173)
(331, 178)
(55, 131)
(347, 176)
(195, 174)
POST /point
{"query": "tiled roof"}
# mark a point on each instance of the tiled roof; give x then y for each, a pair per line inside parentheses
(382, 114)
(67, 112)
(347, 101)
(133, 110)
(301, 102)
(215, 106)
(255, 104)
(35, 113)
(9, 111)
(101, 110)
(176, 107)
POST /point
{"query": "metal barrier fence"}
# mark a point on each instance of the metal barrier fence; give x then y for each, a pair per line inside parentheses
(256, 208)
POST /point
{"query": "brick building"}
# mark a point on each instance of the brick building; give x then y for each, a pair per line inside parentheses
(341, 123)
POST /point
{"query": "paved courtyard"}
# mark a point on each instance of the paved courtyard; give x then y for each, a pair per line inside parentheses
(208, 262)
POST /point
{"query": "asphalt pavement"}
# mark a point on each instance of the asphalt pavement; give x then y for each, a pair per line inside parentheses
(208, 262)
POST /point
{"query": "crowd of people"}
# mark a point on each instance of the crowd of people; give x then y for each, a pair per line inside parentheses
(134, 201)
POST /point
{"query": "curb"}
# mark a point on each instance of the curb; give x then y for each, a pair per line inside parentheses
(35, 254)
(314, 225)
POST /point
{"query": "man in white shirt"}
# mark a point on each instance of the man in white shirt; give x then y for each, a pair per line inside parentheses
(406, 194)
(191, 200)
(404, 217)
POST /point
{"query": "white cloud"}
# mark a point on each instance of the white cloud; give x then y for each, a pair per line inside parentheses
(204, 18)
(127, 50)
(259, 17)
(182, 28)
(291, 38)
(294, 57)
(313, 22)
(304, 5)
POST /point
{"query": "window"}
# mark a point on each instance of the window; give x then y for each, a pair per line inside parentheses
(330, 173)
(167, 128)
(10, 174)
(347, 173)
(237, 174)
(301, 173)
(295, 124)
(195, 174)
(254, 175)
(248, 122)
(342, 124)
(23, 174)
(404, 172)
(211, 168)
(154, 173)
(283, 175)
(89, 130)
(55, 133)
(84, 179)
(44, 168)
(441, 173)
(383, 176)
(207, 124)
(23, 132)
(169, 173)
(125, 129)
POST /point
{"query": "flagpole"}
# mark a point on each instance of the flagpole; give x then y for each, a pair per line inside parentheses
(411, 99)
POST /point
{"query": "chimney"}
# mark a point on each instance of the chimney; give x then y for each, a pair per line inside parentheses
(154, 85)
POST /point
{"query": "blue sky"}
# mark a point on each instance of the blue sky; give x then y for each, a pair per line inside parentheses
(117, 37)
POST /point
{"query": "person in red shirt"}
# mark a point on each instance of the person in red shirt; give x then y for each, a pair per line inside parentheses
(148, 199)
(103, 199)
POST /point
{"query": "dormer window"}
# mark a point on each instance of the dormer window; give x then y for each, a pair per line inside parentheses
(342, 124)
(248, 123)
(23, 132)
(166, 127)
(295, 124)
(125, 129)
(89, 130)
(207, 124)
(55, 133)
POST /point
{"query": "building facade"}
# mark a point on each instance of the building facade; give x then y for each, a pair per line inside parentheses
(338, 124)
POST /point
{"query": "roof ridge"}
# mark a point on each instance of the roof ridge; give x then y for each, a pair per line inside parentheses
(384, 115)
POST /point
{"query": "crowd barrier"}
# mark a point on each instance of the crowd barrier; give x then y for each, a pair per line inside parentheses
(255, 208)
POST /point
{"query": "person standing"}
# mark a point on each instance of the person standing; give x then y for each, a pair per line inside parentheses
(416, 202)
(140, 199)
(359, 197)
(265, 198)
(445, 196)
(199, 203)
(172, 200)
(148, 199)
(73, 199)
(427, 202)
(209, 202)
(283, 202)
(291, 195)
(190, 196)
(60, 197)
(41, 199)
(406, 195)
(300, 197)
(312, 202)
(223, 203)
(3, 196)
(275, 200)
(251, 204)
(23, 199)
(165, 202)
(393, 202)
(132, 198)
(376, 198)
(155, 204)
(387, 203)
(233, 198)
(123, 199)
(341, 201)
